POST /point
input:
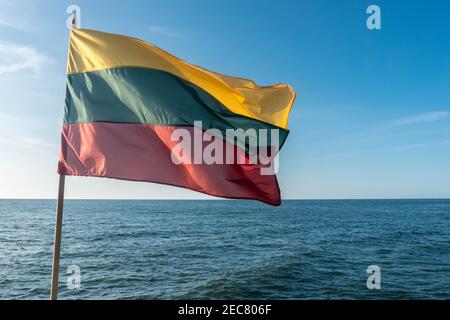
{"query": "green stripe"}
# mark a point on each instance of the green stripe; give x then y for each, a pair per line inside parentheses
(148, 96)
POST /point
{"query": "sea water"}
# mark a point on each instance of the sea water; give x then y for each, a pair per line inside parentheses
(227, 249)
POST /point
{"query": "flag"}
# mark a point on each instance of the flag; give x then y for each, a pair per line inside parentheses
(129, 103)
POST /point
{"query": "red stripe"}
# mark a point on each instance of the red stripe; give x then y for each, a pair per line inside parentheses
(143, 153)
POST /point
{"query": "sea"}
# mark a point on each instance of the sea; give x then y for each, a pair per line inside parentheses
(305, 249)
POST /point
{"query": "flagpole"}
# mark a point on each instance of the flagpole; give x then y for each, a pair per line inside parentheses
(72, 23)
(57, 243)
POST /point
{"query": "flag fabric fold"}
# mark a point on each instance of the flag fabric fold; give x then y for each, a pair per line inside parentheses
(125, 98)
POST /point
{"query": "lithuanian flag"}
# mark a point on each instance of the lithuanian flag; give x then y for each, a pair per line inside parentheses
(126, 99)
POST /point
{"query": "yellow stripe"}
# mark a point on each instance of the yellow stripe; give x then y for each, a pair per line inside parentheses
(93, 51)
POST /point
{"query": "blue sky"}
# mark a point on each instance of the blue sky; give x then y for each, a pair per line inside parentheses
(372, 117)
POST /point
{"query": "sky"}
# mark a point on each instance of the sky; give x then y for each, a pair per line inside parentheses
(371, 119)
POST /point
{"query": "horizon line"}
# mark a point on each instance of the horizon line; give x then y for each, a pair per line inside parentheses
(181, 199)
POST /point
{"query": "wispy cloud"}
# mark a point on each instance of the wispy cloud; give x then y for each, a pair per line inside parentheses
(16, 135)
(417, 119)
(17, 142)
(385, 149)
(9, 24)
(13, 23)
(420, 145)
(15, 58)
(15, 14)
(168, 32)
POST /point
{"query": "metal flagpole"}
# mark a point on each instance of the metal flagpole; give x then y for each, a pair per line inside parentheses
(57, 245)
(73, 22)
